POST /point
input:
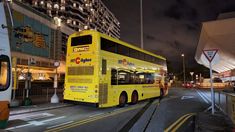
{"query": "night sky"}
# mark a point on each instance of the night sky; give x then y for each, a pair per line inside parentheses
(171, 27)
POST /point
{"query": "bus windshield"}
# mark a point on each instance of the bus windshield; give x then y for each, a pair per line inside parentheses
(81, 40)
(4, 72)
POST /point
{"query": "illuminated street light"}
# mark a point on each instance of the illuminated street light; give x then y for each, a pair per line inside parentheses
(183, 67)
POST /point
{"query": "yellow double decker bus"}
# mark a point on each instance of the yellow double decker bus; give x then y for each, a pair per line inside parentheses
(109, 72)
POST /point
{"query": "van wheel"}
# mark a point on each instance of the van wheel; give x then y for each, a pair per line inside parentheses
(122, 99)
(134, 97)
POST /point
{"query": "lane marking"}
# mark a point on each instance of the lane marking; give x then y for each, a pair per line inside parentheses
(96, 114)
(204, 94)
(209, 99)
(187, 97)
(84, 121)
(52, 119)
(178, 121)
(182, 122)
(20, 126)
(59, 124)
(35, 123)
(28, 117)
(202, 97)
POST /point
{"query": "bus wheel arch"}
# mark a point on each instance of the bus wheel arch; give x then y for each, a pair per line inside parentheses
(134, 97)
(123, 99)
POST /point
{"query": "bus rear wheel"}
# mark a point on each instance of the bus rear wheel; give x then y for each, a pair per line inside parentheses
(122, 99)
(134, 97)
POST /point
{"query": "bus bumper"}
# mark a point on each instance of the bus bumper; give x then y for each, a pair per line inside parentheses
(4, 113)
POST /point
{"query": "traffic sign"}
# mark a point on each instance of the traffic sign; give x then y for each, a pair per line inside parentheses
(210, 54)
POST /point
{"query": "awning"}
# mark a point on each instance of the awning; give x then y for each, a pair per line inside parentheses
(219, 34)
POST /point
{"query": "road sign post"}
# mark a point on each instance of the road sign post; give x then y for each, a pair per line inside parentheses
(210, 54)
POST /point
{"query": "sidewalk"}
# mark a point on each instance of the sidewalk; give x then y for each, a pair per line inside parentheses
(34, 108)
(39, 103)
(218, 122)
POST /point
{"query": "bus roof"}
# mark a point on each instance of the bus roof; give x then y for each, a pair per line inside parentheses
(121, 42)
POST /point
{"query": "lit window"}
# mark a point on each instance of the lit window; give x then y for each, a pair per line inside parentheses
(42, 2)
(62, 8)
(80, 8)
(56, 6)
(74, 22)
(86, 27)
(68, 21)
(63, 1)
(74, 5)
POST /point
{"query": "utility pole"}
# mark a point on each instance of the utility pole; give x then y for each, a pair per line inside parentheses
(141, 25)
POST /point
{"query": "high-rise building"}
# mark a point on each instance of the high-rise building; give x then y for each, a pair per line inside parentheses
(80, 14)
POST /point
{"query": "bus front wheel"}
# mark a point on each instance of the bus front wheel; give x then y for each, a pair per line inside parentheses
(122, 99)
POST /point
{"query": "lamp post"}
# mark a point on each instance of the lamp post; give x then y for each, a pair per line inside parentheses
(55, 98)
(183, 67)
(141, 25)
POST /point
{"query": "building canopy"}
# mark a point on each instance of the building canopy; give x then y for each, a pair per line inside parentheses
(219, 34)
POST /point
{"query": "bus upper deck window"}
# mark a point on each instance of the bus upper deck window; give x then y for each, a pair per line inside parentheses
(81, 40)
(4, 72)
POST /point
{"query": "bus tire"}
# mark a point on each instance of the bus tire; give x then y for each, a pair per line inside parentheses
(122, 99)
(134, 97)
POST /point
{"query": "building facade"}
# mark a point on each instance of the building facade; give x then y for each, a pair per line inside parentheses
(41, 29)
(80, 14)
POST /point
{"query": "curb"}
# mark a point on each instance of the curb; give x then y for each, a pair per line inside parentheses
(36, 109)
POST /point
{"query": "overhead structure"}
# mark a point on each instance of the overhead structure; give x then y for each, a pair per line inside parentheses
(218, 34)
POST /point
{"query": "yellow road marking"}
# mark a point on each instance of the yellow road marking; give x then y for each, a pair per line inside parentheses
(181, 119)
(180, 124)
(78, 123)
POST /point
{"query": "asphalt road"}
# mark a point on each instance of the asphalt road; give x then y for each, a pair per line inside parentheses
(179, 102)
(74, 118)
(84, 118)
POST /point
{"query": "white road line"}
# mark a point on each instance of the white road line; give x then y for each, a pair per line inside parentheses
(52, 119)
(96, 114)
(210, 100)
(27, 117)
(59, 124)
(186, 97)
(204, 94)
(202, 97)
(35, 123)
(11, 128)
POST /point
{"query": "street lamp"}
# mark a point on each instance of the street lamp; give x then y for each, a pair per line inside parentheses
(183, 67)
(141, 25)
(55, 98)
